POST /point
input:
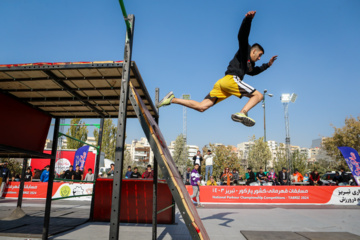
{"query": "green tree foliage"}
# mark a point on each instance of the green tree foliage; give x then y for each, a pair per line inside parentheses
(224, 157)
(281, 159)
(14, 165)
(348, 135)
(108, 139)
(299, 161)
(79, 132)
(259, 154)
(180, 155)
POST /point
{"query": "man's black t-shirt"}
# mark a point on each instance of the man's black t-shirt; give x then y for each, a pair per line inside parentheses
(28, 176)
(68, 174)
(260, 175)
(77, 175)
(135, 175)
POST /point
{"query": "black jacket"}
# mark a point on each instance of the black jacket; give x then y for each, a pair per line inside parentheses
(241, 64)
(281, 177)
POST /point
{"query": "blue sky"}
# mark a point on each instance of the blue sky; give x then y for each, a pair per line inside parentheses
(185, 47)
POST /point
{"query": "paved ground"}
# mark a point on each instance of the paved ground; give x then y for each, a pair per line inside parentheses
(222, 222)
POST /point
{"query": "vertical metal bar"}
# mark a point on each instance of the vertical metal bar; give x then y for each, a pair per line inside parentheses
(155, 180)
(120, 138)
(21, 190)
(97, 164)
(45, 232)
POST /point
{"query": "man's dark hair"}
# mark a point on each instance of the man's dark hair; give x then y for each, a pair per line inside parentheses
(258, 47)
(89, 169)
(135, 168)
(249, 168)
(196, 164)
(148, 165)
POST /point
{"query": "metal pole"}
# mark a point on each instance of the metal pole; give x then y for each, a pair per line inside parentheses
(45, 232)
(21, 190)
(120, 138)
(155, 180)
(264, 125)
(97, 164)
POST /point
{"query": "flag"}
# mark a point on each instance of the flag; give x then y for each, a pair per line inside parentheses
(353, 160)
(80, 157)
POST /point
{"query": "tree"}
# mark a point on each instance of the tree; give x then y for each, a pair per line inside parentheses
(108, 138)
(224, 157)
(78, 131)
(348, 135)
(299, 161)
(281, 158)
(180, 155)
(259, 154)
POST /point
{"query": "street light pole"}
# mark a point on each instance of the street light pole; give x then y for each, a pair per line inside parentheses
(263, 105)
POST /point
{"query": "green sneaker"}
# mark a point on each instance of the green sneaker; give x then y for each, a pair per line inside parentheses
(166, 100)
(243, 118)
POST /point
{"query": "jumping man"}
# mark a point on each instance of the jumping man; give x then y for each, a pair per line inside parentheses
(232, 84)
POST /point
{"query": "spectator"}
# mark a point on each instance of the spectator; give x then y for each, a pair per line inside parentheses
(235, 174)
(337, 178)
(298, 177)
(37, 175)
(78, 174)
(45, 174)
(110, 173)
(251, 178)
(197, 160)
(89, 176)
(209, 161)
(284, 177)
(195, 183)
(272, 177)
(62, 175)
(345, 177)
(315, 178)
(306, 177)
(69, 173)
(227, 177)
(135, 174)
(28, 175)
(186, 176)
(5, 176)
(261, 176)
(149, 173)
(211, 181)
(129, 172)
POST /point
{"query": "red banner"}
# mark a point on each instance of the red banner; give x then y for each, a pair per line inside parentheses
(278, 194)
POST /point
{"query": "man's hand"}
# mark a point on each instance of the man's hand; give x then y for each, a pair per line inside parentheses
(250, 14)
(272, 60)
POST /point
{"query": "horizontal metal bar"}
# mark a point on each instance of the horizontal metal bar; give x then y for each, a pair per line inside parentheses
(63, 134)
(70, 180)
(71, 99)
(24, 151)
(71, 197)
(164, 209)
(117, 77)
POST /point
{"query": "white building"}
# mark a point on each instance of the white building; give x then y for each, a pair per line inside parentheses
(243, 149)
(140, 151)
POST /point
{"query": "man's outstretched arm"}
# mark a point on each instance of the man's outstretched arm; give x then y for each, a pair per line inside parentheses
(257, 70)
(244, 31)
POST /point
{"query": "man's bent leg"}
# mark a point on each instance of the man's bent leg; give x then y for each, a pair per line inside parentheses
(198, 106)
(254, 99)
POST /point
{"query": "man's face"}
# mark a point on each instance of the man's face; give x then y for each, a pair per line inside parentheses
(149, 169)
(261, 170)
(47, 169)
(196, 167)
(255, 55)
(198, 152)
(70, 168)
(135, 170)
(77, 168)
(129, 169)
(90, 171)
(212, 179)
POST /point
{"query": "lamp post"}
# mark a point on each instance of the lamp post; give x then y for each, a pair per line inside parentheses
(286, 98)
(263, 105)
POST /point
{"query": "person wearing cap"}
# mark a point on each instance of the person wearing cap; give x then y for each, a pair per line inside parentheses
(128, 173)
(209, 161)
(45, 174)
(298, 177)
(283, 177)
(69, 173)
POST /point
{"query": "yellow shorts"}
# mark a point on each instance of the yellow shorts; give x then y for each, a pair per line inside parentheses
(230, 85)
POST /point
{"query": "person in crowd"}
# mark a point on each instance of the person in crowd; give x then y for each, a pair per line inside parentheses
(298, 177)
(186, 176)
(209, 161)
(110, 173)
(195, 183)
(235, 174)
(211, 181)
(45, 174)
(261, 176)
(198, 159)
(227, 178)
(149, 173)
(135, 173)
(251, 176)
(306, 177)
(69, 173)
(78, 174)
(352, 181)
(272, 177)
(284, 177)
(5, 176)
(315, 178)
(345, 177)
(62, 174)
(337, 178)
(89, 176)
(28, 175)
(128, 172)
